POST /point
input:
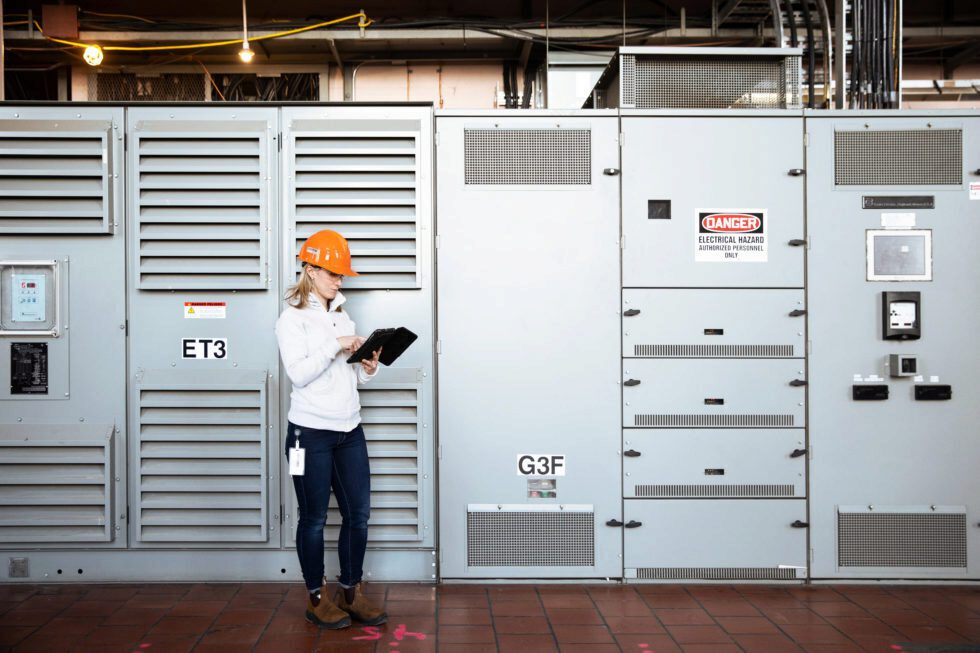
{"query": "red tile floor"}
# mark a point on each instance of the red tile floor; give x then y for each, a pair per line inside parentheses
(242, 617)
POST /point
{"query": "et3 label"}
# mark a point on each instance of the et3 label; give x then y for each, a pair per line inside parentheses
(204, 348)
(540, 464)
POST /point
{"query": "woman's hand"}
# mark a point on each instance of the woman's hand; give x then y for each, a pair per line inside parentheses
(370, 365)
(350, 343)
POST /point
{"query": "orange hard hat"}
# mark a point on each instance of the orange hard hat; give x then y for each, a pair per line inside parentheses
(328, 250)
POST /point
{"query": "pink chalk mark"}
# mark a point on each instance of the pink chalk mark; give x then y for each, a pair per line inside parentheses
(145, 645)
(401, 632)
(372, 634)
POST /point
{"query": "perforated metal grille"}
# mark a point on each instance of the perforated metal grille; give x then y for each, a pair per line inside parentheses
(898, 157)
(367, 187)
(165, 87)
(707, 490)
(551, 157)
(202, 462)
(713, 420)
(715, 573)
(391, 421)
(629, 81)
(901, 540)
(55, 177)
(717, 82)
(714, 351)
(203, 206)
(530, 539)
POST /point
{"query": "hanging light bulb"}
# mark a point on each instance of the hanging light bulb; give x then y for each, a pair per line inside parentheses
(93, 55)
(246, 54)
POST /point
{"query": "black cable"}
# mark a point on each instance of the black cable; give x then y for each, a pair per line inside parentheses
(791, 17)
(528, 89)
(811, 63)
(513, 86)
(506, 71)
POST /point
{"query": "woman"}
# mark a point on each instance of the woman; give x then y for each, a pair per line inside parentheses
(316, 336)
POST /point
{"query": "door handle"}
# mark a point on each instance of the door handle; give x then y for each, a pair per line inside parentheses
(631, 382)
(633, 524)
(796, 172)
(796, 383)
(631, 453)
(797, 242)
(797, 453)
(614, 522)
(800, 524)
(797, 313)
(611, 172)
(631, 312)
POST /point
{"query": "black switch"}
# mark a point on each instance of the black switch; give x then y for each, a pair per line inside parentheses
(933, 392)
(865, 392)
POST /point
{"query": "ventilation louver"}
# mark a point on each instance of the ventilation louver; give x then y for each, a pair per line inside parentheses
(56, 177)
(515, 536)
(715, 573)
(202, 205)
(901, 539)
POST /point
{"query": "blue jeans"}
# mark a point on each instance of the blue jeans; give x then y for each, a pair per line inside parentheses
(337, 459)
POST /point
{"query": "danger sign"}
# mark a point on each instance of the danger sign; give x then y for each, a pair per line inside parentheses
(205, 310)
(731, 236)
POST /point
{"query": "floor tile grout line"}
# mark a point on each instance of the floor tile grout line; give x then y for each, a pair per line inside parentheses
(551, 626)
(603, 618)
(712, 617)
(208, 629)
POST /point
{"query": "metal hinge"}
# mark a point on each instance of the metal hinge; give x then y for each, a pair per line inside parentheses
(438, 242)
(622, 242)
(438, 346)
(279, 141)
(439, 450)
(622, 139)
(806, 139)
(437, 139)
(282, 511)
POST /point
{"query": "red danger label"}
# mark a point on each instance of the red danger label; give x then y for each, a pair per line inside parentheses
(731, 223)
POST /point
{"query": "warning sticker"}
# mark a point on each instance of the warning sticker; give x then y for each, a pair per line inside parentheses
(205, 310)
(975, 190)
(731, 236)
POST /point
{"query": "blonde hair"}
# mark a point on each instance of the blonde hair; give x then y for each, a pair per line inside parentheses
(298, 296)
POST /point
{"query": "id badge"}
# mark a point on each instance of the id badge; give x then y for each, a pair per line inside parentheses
(297, 461)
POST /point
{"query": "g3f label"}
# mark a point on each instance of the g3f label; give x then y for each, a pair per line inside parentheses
(538, 464)
(204, 348)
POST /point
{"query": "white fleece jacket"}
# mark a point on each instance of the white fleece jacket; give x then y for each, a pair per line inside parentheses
(324, 392)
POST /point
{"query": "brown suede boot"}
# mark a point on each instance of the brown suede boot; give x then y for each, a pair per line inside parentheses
(361, 607)
(326, 614)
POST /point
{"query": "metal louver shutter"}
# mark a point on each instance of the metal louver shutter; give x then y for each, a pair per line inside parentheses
(202, 204)
(56, 483)
(201, 452)
(390, 415)
(55, 176)
(362, 179)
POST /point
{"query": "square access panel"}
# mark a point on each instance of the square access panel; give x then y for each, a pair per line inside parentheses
(899, 255)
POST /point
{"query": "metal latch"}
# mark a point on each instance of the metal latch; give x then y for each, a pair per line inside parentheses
(797, 313)
(796, 383)
(797, 242)
(800, 524)
(796, 172)
(633, 524)
(631, 382)
(631, 453)
(631, 312)
(797, 453)
(614, 522)
(610, 172)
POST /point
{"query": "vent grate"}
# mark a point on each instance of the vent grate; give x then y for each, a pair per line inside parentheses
(927, 157)
(55, 488)
(713, 420)
(202, 463)
(719, 490)
(715, 573)
(628, 100)
(163, 87)
(53, 180)
(901, 540)
(365, 186)
(714, 351)
(528, 156)
(710, 82)
(202, 210)
(530, 539)
(390, 417)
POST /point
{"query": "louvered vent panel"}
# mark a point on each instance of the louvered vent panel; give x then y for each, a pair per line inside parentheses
(366, 186)
(715, 573)
(203, 209)
(550, 157)
(530, 539)
(718, 490)
(53, 180)
(882, 157)
(714, 351)
(55, 488)
(713, 420)
(202, 462)
(390, 417)
(901, 540)
(713, 82)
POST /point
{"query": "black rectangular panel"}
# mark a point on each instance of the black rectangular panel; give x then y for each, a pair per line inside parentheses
(28, 368)
(898, 202)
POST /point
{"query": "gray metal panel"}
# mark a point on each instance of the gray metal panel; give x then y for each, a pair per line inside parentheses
(899, 452)
(718, 323)
(731, 535)
(529, 320)
(745, 167)
(202, 457)
(360, 162)
(755, 393)
(56, 483)
(87, 359)
(208, 187)
(713, 463)
(57, 176)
